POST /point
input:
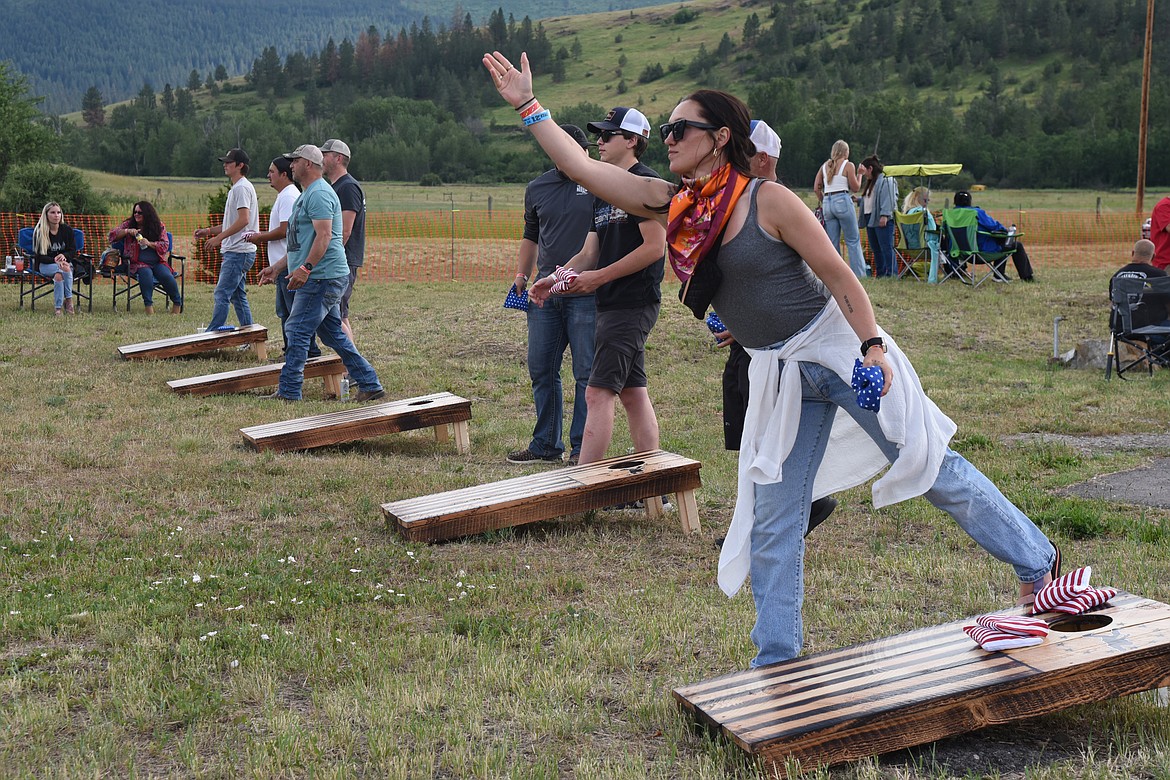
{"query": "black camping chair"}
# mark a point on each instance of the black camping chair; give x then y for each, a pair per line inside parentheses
(1148, 345)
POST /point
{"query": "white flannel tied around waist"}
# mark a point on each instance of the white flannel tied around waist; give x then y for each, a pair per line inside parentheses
(908, 419)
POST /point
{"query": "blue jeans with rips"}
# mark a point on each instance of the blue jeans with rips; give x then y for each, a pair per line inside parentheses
(777, 542)
(159, 272)
(841, 219)
(62, 289)
(562, 321)
(230, 289)
(315, 309)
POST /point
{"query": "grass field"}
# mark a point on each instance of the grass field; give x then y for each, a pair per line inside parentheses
(189, 196)
(174, 604)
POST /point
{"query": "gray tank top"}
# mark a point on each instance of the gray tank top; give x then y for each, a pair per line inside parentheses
(768, 293)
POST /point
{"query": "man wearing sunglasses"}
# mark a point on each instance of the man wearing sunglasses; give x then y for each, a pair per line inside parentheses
(622, 261)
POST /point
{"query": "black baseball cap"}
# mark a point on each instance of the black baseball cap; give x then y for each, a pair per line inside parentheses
(577, 134)
(236, 155)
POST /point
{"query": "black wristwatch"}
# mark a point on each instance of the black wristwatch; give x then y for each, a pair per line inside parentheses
(309, 268)
(876, 341)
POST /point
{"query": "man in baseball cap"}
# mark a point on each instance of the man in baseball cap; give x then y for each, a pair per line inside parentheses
(767, 150)
(306, 152)
(353, 217)
(241, 216)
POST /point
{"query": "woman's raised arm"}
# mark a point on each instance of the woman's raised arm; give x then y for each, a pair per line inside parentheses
(634, 194)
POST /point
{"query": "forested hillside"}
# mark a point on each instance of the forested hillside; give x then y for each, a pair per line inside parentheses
(1030, 93)
(114, 45)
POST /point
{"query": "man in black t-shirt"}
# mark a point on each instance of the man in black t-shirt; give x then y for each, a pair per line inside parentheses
(353, 216)
(1153, 309)
(622, 261)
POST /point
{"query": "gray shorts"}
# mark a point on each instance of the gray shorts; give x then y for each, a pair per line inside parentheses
(619, 347)
(344, 305)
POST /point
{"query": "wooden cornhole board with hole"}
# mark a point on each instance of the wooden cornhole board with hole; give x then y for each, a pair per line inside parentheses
(437, 410)
(920, 687)
(328, 367)
(554, 493)
(198, 343)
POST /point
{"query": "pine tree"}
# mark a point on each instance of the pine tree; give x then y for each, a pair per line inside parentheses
(93, 108)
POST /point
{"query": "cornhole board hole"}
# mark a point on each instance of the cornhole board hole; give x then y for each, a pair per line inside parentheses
(198, 343)
(563, 491)
(328, 367)
(437, 410)
(925, 685)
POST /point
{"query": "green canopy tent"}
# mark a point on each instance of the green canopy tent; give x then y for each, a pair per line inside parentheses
(924, 169)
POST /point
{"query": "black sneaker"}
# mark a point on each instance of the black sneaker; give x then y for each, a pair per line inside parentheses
(528, 456)
(573, 460)
(278, 397)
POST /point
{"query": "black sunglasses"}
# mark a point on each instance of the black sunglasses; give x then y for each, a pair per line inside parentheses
(137, 212)
(679, 127)
(605, 135)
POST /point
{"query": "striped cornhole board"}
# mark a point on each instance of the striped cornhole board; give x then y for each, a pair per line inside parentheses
(437, 411)
(919, 687)
(551, 493)
(198, 343)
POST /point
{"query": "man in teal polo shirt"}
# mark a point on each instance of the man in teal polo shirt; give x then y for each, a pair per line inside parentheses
(317, 270)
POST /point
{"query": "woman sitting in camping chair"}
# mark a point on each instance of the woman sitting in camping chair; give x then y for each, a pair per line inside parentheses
(146, 248)
(918, 199)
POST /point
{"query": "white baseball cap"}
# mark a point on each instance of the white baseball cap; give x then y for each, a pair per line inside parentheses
(621, 118)
(765, 138)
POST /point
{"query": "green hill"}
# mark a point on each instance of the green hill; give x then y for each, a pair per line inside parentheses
(115, 46)
(1035, 93)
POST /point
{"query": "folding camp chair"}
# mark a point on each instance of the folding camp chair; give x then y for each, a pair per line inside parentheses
(39, 285)
(911, 252)
(1150, 344)
(127, 286)
(962, 231)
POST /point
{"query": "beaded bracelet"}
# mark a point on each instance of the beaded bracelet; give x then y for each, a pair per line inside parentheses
(543, 115)
(533, 107)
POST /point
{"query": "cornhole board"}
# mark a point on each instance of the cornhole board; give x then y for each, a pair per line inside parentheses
(437, 410)
(198, 343)
(535, 497)
(925, 685)
(328, 367)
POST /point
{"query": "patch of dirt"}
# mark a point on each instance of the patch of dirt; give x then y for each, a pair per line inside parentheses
(1144, 486)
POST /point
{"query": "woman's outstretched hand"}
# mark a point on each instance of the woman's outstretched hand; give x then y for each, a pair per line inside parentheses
(514, 86)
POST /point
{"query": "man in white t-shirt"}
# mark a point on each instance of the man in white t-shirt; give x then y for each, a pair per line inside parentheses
(241, 214)
(280, 179)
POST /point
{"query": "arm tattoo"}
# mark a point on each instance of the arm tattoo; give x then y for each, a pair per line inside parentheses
(848, 304)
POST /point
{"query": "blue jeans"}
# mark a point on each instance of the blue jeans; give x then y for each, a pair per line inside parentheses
(777, 543)
(881, 243)
(284, 299)
(315, 309)
(230, 289)
(161, 273)
(62, 289)
(562, 321)
(841, 219)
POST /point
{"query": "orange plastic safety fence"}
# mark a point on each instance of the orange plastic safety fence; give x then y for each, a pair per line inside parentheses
(481, 245)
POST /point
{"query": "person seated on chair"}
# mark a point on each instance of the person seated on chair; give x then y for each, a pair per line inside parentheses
(918, 199)
(1153, 309)
(146, 248)
(993, 243)
(53, 253)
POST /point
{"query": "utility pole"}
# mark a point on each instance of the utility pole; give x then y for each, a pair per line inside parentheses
(1143, 127)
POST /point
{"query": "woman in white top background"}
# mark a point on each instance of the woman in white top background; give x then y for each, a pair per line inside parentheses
(835, 184)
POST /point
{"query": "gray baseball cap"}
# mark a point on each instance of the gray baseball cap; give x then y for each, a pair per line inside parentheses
(334, 145)
(306, 152)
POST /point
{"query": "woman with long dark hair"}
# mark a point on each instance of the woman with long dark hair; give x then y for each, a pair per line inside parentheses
(147, 251)
(786, 295)
(879, 200)
(53, 251)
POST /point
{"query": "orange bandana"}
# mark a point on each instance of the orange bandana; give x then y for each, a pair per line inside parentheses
(698, 213)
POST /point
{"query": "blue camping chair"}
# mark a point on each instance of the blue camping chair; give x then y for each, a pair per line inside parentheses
(39, 285)
(127, 286)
